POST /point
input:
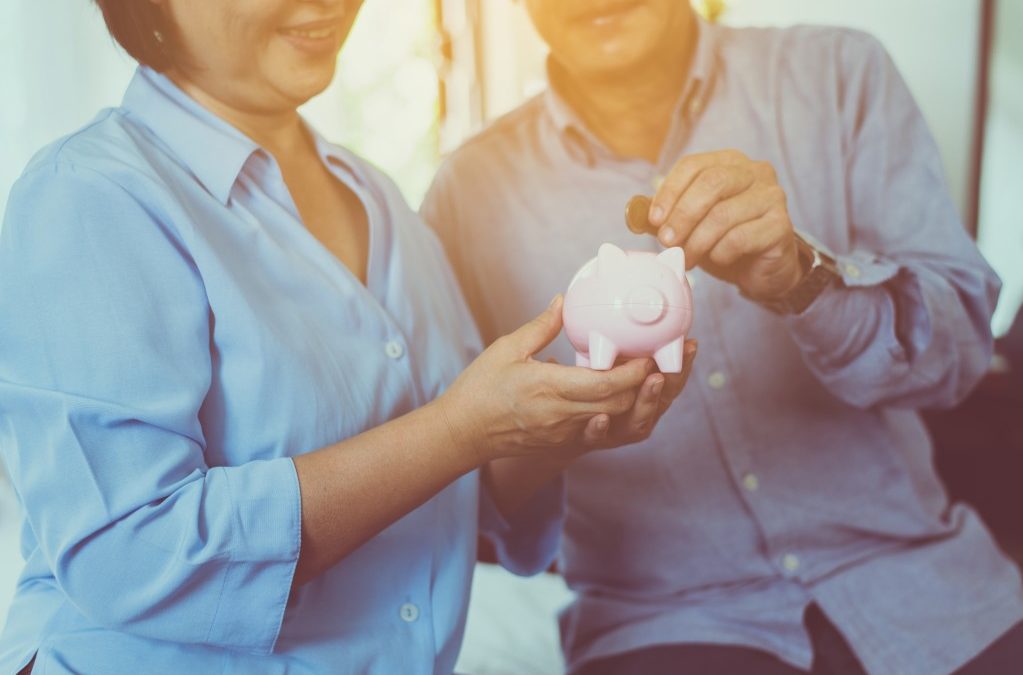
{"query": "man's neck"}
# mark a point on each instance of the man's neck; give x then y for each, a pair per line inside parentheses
(631, 112)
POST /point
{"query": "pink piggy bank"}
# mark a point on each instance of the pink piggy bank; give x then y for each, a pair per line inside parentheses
(629, 304)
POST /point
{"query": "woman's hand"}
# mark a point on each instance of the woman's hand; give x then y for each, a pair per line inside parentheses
(506, 403)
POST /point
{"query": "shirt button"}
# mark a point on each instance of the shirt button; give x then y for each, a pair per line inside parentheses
(1000, 364)
(751, 482)
(790, 562)
(852, 271)
(696, 105)
(394, 349)
(716, 380)
(409, 612)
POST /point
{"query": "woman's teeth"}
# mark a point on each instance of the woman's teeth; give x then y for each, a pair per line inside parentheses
(318, 34)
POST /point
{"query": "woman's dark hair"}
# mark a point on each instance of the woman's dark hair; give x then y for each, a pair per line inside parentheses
(141, 27)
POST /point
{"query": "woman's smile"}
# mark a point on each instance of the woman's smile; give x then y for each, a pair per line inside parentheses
(315, 37)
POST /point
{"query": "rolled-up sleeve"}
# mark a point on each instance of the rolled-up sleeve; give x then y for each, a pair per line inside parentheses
(527, 542)
(910, 325)
(104, 366)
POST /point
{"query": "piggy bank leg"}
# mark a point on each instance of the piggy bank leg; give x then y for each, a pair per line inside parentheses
(669, 357)
(582, 360)
(603, 352)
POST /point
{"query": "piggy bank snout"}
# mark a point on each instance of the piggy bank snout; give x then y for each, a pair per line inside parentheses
(646, 305)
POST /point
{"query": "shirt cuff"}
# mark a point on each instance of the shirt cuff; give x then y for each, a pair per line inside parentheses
(527, 542)
(859, 311)
(267, 509)
(859, 268)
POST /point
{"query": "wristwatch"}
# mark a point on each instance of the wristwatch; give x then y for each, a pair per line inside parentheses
(820, 272)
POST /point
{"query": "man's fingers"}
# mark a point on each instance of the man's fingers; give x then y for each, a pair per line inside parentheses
(644, 413)
(596, 429)
(720, 220)
(674, 384)
(675, 183)
(712, 186)
(681, 177)
(746, 239)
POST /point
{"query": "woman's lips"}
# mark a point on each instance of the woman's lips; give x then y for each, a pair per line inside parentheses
(315, 37)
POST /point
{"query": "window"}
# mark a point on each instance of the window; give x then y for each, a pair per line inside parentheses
(384, 102)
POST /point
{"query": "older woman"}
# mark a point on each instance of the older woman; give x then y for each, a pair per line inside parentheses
(230, 383)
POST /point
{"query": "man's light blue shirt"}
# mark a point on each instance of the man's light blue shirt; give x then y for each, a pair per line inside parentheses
(793, 469)
(170, 336)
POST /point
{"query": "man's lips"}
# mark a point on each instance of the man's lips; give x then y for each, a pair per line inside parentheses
(608, 13)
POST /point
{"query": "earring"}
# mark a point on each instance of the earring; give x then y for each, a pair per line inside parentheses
(158, 35)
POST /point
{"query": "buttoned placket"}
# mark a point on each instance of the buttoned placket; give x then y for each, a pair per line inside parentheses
(713, 375)
(392, 342)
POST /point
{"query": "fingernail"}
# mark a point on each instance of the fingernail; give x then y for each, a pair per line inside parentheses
(667, 236)
(658, 384)
(554, 301)
(602, 423)
(656, 214)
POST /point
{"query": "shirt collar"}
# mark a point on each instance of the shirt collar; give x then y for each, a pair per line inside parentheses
(213, 150)
(702, 68)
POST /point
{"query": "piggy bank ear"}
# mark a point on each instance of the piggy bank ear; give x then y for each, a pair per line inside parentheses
(610, 258)
(674, 259)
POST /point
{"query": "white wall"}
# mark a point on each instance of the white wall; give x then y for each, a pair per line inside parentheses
(58, 67)
(933, 42)
(1001, 197)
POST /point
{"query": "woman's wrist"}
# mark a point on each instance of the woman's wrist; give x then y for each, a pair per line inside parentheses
(466, 435)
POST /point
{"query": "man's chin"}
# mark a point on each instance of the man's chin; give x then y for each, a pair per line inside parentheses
(614, 64)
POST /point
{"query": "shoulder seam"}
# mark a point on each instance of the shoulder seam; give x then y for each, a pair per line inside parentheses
(73, 135)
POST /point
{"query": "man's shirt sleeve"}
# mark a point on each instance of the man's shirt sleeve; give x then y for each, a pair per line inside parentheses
(527, 542)
(104, 366)
(911, 327)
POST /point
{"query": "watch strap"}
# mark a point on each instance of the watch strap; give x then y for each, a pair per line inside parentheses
(821, 272)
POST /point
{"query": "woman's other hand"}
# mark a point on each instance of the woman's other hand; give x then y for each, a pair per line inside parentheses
(507, 403)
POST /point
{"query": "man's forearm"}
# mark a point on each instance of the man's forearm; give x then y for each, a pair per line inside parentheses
(513, 480)
(915, 337)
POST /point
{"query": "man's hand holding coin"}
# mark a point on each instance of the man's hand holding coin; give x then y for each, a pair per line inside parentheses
(729, 214)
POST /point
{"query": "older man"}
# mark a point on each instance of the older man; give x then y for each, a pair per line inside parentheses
(786, 514)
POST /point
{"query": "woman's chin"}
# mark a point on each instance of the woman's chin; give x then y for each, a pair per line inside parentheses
(302, 84)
